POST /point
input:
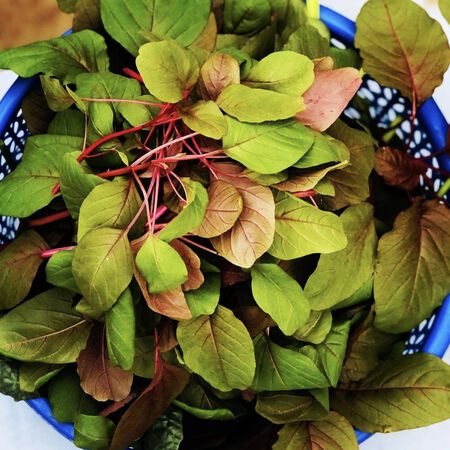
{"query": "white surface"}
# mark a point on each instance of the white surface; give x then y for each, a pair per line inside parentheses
(21, 428)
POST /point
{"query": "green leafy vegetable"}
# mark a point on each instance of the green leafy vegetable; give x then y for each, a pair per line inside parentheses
(63, 57)
(280, 296)
(227, 360)
(398, 51)
(44, 329)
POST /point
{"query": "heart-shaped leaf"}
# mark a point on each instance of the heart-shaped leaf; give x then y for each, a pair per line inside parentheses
(252, 234)
(399, 52)
(411, 258)
(328, 97)
(95, 263)
(168, 70)
(302, 229)
(219, 349)
(267, 148)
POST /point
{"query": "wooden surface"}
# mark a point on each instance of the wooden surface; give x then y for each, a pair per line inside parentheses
(26, 21)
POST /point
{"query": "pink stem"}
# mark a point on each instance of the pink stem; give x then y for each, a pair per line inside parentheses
(49, 253)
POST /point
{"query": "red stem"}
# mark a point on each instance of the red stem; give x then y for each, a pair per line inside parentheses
(132, 74)
(49, 253)
(305, 194)
(123, 171)
(49, 219)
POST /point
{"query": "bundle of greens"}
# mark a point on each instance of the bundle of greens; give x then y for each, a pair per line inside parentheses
(207, 257)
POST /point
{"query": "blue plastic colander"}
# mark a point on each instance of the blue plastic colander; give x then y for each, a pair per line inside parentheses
(386, 105)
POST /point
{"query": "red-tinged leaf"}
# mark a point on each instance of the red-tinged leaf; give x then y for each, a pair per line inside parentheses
(399, 169)
(168, 383)
(252, 234)
(231, 274)
(402, 47)
(327, 98)
(254, 319)
(167, 337)
(224, 208)
(19, 262)
(193, 263)
(218, 72)
(98, 377)
(171, 304)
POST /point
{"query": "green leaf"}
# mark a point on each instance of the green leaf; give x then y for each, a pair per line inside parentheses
(9, 380)
(69, 122)
(111, 205)
(352, 182)
(246, 16)
(399, 42)
(144, 357)
(197, 400)
(281, 408)
(192, 214)
(267, 148)
(445, 9)
(401, 394)
(252, 234)
(59, 271)
(160, 17)
(120, 324)
(205, 118)
(361, 295)
(332, 433)
(44, 329)
(304, 181)
(285, 72)
(33, 376)
(280, 296)
(316, 329)
(218, 72)
(57, 97)
(204, 300)
(308, 41)
(354, 264)
(165, 434)
(302, 229)
(87, 15)
(168, 70)
(411, 258)
(161, 265)
(365, 347)
(64, 57)
(76, 183)
(19, 263)
(282, 369)
(258, 105)
(219, 349)
(93, 432)
(324, 150)
(332, 351)
(95, 263)
(224, 208)
(67, 399)
(29, 187)
(107, 85)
